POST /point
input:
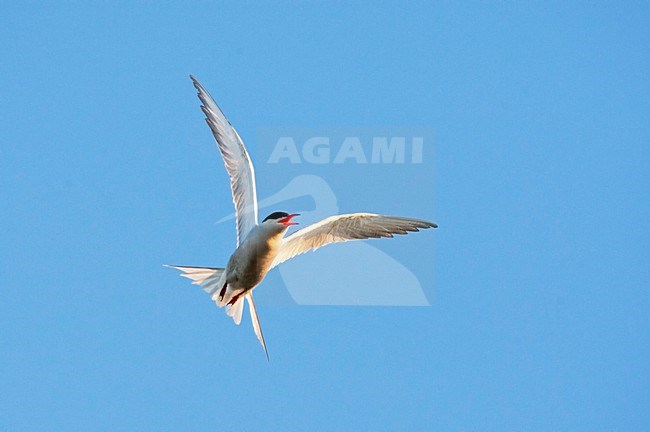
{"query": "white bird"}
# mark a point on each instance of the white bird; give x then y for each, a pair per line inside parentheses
(262, 246)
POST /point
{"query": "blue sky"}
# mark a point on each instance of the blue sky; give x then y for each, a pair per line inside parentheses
(537, 277)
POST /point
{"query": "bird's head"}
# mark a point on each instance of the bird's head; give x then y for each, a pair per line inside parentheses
(280, 220)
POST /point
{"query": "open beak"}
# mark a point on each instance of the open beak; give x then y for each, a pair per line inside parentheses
(286, 221)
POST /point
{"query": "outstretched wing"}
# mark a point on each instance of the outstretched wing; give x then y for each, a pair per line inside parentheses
(237, 161)
(342, 228)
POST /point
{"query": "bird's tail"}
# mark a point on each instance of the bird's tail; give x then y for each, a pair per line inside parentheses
(256, 322)
(198, 275)
(235, 310)
(213, 281)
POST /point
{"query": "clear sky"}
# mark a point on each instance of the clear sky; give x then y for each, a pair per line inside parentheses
(537, 278)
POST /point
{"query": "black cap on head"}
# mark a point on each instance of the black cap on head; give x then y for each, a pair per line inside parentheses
(276, 215)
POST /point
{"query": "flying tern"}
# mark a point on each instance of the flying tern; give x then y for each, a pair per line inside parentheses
(263, 246)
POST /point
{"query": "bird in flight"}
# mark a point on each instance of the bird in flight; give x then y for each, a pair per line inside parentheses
(263, 246)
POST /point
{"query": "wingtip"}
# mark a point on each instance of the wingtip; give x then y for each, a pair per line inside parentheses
(197, 85)
(428, 224)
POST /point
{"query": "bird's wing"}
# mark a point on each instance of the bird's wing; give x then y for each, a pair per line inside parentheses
(256, 322)
(342, 228)
(237, 161)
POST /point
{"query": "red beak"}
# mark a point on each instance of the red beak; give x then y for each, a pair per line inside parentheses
(286, 221)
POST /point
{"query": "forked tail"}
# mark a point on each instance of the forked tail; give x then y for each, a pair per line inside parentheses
(213, 281)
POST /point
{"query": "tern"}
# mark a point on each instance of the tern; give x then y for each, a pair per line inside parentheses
(263, 246)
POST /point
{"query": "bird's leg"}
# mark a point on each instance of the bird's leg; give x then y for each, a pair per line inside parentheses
(222, 293)
(234, 299)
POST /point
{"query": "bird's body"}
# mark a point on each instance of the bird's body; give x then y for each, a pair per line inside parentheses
(262, 246)
(252, 260)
